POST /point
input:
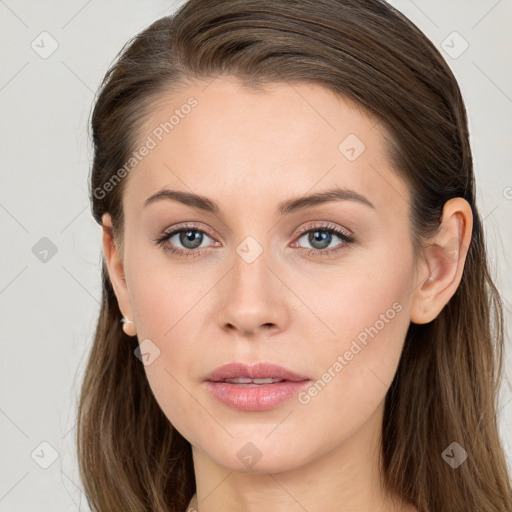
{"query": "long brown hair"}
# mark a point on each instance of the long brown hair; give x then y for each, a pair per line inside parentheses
(445, 390)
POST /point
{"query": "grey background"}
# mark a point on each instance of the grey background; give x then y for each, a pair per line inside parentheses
(48, 308)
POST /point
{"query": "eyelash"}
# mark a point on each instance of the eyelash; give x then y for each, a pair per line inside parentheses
(327, 228)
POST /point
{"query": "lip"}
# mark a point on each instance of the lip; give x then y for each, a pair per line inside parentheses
(254, 397)
(261, 370)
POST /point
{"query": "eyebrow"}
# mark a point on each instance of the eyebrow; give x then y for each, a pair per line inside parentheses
(284, 208)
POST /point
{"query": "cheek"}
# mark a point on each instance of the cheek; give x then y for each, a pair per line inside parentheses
(366, 299)
(367, 313)
(171, 388)
(355, 372)
(162, 291)
(167, 305)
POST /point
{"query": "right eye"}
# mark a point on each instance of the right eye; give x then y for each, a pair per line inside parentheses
(188, 236)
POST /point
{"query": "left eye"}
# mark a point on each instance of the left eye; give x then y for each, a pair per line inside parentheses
(321, 238)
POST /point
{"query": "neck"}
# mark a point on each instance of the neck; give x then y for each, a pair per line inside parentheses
(346, 478)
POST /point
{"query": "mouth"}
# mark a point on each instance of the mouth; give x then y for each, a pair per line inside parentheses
(254, 388)
(248, 382)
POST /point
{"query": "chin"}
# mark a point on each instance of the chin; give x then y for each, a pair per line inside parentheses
(259, 455)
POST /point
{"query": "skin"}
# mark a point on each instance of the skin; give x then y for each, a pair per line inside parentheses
(248, 151)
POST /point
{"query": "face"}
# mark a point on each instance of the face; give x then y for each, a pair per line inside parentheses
(322, 288)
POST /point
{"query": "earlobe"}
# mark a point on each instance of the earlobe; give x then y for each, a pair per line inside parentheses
(441, 269)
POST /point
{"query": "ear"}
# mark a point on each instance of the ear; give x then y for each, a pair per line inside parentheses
(440, 270)
(113, 260)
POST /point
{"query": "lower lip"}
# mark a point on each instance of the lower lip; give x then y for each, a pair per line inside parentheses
(258, 397)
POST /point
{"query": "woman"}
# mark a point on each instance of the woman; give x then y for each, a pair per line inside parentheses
(297, 309)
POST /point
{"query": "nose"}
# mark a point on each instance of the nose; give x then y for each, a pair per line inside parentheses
(252, 298)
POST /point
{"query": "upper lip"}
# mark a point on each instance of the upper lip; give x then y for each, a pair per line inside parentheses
(260, 370)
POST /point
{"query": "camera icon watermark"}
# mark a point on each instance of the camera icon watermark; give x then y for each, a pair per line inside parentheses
(44, 455)
(249, 249)
(454, 455)
(44, 250)
(147, 352)
(44, 45)
(351, 147)
(249, 454)
(451, 249)
(454, 45)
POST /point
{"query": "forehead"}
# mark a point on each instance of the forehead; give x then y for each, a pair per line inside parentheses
(285, 139)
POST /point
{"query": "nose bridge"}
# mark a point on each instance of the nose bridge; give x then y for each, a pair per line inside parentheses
(251, 294)
(250, 266)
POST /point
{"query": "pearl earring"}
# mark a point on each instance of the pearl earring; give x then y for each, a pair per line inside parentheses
(128, 327)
